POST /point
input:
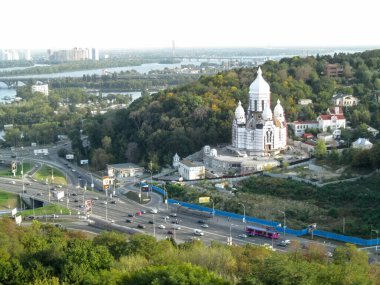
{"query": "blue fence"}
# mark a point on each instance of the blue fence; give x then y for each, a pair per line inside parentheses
(319, 233)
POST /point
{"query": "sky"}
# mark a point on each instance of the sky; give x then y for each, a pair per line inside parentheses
(135, 24)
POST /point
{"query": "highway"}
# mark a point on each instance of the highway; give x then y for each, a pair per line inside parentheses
(116, 211)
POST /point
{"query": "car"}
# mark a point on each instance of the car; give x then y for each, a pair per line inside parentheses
(242, 236)
(170, 233)
(161, 227)
(130, 215)
(153, 211)
(31, 217)
(201, 222)
(61, 200)
(140, 226)
(76, 200)
(173, 215)
(151, 222)
(40, 194)
(73, 170)
(104, 202)
(175, 221)
(59, 186)
(166, 217)
(96, 198)
(198, 232)
(138, 213)
(12, 182)
(282, 243)
(74, 194)
(112, 221)
(128, 221)
(143, 212)
(113, 202)
(176, 228)
(287, 241)
(204, 225)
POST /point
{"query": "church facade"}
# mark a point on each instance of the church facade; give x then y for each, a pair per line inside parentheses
(259, 132)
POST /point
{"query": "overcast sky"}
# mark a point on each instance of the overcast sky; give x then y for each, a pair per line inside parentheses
(191, 23)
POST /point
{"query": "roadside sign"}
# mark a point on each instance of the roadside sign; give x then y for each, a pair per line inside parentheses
(204, 199)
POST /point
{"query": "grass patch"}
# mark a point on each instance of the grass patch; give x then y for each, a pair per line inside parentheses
(46, 210)
(135, 197)
(7, 171)
(8, 200)
(45, 173)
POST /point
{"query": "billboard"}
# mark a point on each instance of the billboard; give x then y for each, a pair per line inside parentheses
(18, 220)
(88, 205)
(106, 182)
(69, 156)
(204, 199)
(84, 161)
(59, 194)
(43, 151)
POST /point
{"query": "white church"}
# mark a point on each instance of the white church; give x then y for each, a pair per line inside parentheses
(259, 132)
(257, 136)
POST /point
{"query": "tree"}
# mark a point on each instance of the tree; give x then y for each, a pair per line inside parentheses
(320, 149)
(175, 274)
(115, 242)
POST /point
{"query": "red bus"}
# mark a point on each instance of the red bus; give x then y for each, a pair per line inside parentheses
(264, 232)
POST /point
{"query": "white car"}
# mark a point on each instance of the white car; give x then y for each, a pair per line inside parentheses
(287, 241)
(105, 202)
(176, 227)
(198, 232)
(161, 227)
(153, 211)
(204, 225)
(242, 236)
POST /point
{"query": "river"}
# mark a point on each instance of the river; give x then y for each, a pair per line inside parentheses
(144, 68)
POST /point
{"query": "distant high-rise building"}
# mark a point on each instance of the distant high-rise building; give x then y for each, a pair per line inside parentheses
(173, 48)
(27, 55)
(9, 54)
(75, 54)
(95, 54)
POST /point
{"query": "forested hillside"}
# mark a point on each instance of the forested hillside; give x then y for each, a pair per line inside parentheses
(44, 254)
(186, 118)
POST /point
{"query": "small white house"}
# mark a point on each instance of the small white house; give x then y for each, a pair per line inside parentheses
(373, 131)
(344, 100)
(362, 143)
(190, 170)
(326, 137)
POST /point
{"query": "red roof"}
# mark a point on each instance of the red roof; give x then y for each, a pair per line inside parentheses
(305, 122)
(328, 117)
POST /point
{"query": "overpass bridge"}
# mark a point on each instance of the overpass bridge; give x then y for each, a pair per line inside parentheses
(11, 83)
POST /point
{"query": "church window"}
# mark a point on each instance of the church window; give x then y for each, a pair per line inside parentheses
(255, 105)
(262, 105)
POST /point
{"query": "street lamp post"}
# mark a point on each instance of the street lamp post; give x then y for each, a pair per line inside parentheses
(154, 227)
(22, 175)
(92, 183)
(243, 211)
(284, 225)
(377, 237)
(230, 239)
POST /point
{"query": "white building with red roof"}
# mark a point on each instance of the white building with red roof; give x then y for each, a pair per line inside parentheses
(333, 121)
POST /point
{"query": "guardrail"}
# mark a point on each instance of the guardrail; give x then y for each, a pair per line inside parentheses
(274, 224)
